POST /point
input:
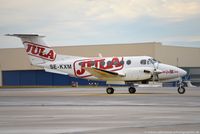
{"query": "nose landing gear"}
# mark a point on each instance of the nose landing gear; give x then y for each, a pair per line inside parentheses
(181, 87)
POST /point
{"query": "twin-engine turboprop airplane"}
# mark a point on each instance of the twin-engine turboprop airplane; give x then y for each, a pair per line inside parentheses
(114, 70)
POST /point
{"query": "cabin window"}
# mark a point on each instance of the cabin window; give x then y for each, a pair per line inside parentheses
(109, 63)
(115, 62)
(102, 63)
(122, 62)
(80, 64)
(128, 62)
(143, 62)
(92, 63)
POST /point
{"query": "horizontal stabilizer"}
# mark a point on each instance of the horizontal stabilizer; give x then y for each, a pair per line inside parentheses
(24, 35)
(55, 71)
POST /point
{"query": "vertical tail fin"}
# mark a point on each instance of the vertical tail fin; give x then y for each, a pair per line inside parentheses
(36, 49)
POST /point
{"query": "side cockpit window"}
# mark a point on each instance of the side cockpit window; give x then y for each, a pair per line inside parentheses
(148, 62)
(143, 62)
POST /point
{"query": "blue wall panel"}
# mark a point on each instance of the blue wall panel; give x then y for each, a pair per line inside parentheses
(99, 83)
(27, 78)
(44, 78)
(80, 81)
(61, 80)
(11, 78)
(41, 78)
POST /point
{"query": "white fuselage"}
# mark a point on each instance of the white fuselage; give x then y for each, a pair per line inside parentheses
(131, 67)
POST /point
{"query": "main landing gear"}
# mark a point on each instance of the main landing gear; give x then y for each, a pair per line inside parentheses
(132, 90)
(111, 90)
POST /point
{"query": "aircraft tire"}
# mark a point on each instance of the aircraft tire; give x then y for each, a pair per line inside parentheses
(131, 90)
(181, 90)
(110, 90)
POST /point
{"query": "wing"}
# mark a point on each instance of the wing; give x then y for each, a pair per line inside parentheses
(100, 73)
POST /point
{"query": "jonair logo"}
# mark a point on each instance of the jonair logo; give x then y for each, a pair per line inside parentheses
(40, 51)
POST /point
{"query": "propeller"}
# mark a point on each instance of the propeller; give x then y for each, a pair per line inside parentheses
(156, 71)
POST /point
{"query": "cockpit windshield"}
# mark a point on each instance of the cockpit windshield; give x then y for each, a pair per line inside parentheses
(153, 61)
(148, 61)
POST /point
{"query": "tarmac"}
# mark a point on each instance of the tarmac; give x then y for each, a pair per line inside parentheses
(91, 111)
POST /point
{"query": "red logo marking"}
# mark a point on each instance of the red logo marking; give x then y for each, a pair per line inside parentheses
(170, 71)
(40, 51)
(110, 64)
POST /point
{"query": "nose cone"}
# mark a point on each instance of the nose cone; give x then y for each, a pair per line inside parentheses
(182, 72)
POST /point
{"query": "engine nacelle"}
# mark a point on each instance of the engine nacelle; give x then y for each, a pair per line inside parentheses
(138, 73)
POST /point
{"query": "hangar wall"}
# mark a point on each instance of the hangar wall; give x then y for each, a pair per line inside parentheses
(131, 49)
(15, 59)
(178, 56)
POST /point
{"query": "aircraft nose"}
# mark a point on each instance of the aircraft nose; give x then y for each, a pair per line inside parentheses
(182, 72)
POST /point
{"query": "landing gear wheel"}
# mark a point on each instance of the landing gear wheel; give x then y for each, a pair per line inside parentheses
(110, 90)
(131, 90)
(181, 90)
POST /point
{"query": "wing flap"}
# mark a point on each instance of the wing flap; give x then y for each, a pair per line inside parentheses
(100, 73)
